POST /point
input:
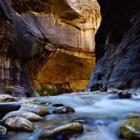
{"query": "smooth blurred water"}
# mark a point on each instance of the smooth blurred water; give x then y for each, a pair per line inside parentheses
(100, 116)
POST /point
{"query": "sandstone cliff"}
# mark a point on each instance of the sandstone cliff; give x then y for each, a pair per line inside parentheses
(33, 32)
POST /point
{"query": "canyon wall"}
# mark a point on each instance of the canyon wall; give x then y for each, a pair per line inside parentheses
(117, 46)
(34, 32)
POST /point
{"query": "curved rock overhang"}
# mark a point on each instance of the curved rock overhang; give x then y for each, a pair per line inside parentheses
(117, 46)
(31, 32)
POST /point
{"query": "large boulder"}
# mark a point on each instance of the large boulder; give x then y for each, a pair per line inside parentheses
(68, 129)
(19, 124)
(130, 129)
(39, 110)
(27, 115)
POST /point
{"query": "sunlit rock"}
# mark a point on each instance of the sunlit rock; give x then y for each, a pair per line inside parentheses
(39, 110)
(7, 98)
(68, 129)
(63, 110)
(19, 124)
(130, 129)
(27, 115)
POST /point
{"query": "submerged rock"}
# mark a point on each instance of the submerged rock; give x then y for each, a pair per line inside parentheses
(39, 110)
(68, 129)
(7, 98)
(130, 129)
(27, 115)
(19, 123)
(63, 109)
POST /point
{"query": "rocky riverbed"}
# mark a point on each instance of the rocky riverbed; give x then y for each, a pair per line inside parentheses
(76, 116)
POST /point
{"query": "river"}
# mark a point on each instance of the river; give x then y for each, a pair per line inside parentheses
(99, 115)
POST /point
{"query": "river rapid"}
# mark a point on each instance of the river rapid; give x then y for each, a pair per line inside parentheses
(99, 115)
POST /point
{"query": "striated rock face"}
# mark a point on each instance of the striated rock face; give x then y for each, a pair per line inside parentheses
(32, 31)
(117, 46)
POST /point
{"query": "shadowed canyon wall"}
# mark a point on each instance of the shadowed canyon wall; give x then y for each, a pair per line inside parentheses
(47, 41)
(117, 46)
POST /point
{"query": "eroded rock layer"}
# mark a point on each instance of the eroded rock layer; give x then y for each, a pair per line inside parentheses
(31, 32)
(117, 46)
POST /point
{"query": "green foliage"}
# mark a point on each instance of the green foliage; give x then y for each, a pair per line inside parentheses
(10, 18)
(108, 73)
(46, 91)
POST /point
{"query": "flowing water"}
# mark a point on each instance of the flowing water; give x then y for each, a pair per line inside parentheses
(99, 115)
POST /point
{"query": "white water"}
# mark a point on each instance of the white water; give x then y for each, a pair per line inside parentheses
(100, 117)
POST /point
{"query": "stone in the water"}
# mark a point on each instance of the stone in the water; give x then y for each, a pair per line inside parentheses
(63, 109)
(7, 98)
(130, 129)
(124, 94)
(27, 115)
(39, 110)
(61, 137)
(7, 107)
(2, 130)
(68, 129)
(19, 124)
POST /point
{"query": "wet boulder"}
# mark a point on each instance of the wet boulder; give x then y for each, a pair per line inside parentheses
(130, 129)
(68, 129)
(7, 98)
(7, 107)
(39, 110)
(27, 115)
(125, 94)
(19, 123)
(63, 110)
(3, 130)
